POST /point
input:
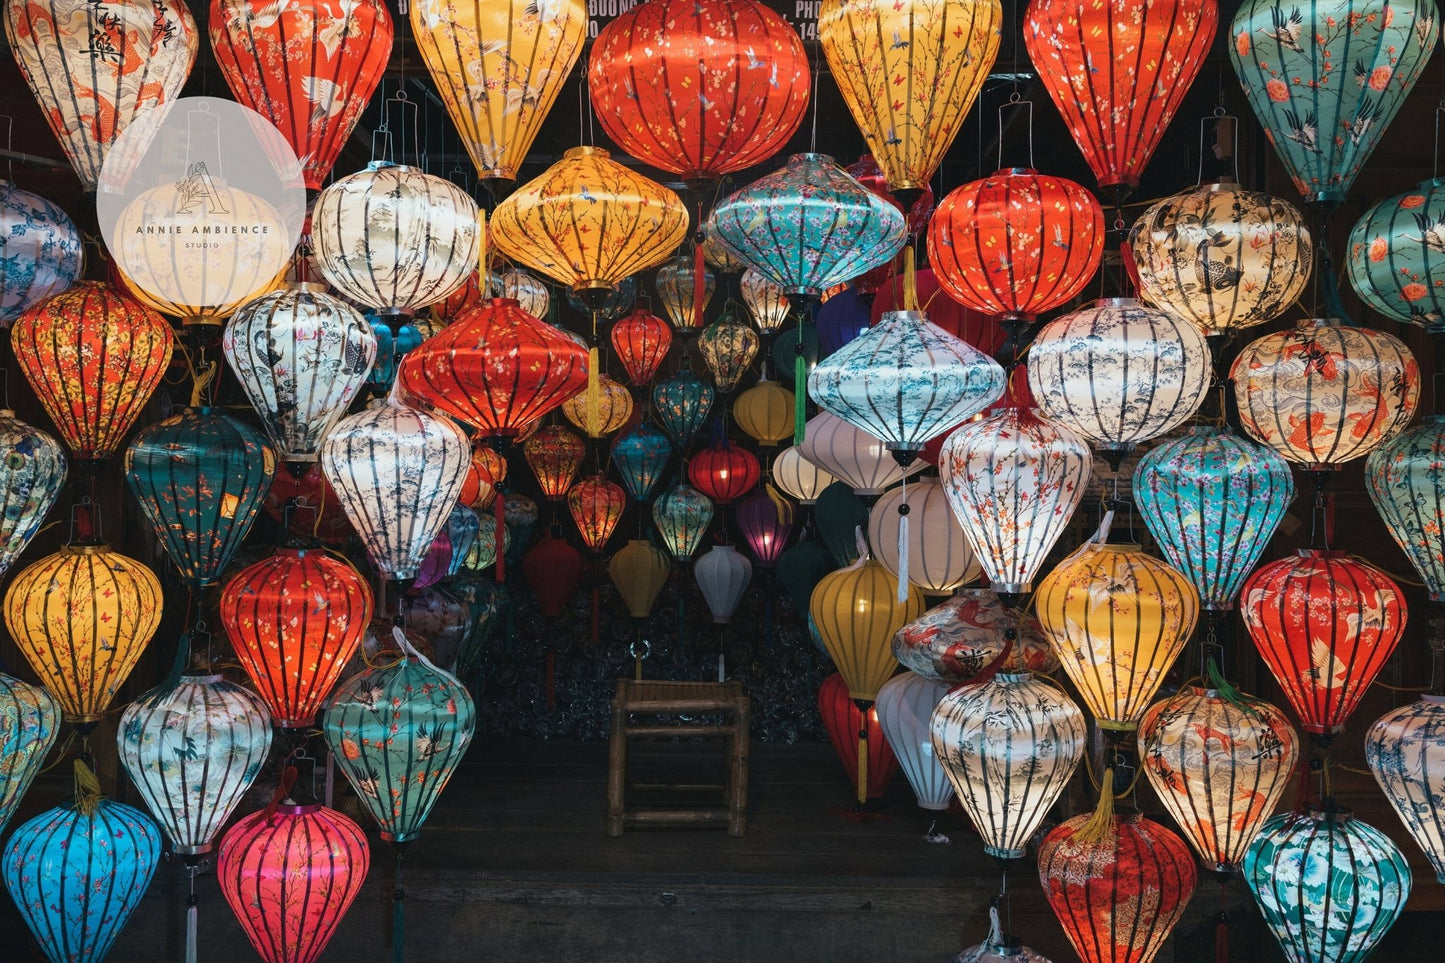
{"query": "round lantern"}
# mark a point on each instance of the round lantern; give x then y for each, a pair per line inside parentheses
(1213, 500)
(798, 477)
(290, 873)
(682, 515)
(787, 354)
(1219, 764)
(29, 723)
(809, 226)
(1117, 619)
(316, 512)
(766, 520)
(1406, 750)
(1118, 72)
(853, 456)
(841, 515)
(722, 575)
(970, 635)
(1326, 80)
(1017, 243)
(1323, 394)
(526, 289)
(77, 872)
(1221, 256)
(295, 619)
(395, 239)
(554, 454)
(764, 300)
(1328, 885)
(391, 348)
(641, 341)
(1405, 484)
(639, 571)
(1014, 480)
(939, 559)
(723, 471)
(857, 613)
(596, 505)
(81, 618)
(843, 720)
(682, 403)
(200, 477)
(95, 71)
(192, 752)
(599, 415)
(943, 51)
(1394, 256)
(94, 358)
(32, 472)
(39, 251)
(727, 348)
(765, 413)
(1009, 746)
(301, 355)
(1119, 372)
(675, 283)
(398, 472)
(553, 569)
(905, 706)
(1325, 624)
(640, 456)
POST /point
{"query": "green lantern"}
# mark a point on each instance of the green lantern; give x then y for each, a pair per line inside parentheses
(682, 515)
(840, 515)
(683, 402)
(801, 568)
(1397, 256)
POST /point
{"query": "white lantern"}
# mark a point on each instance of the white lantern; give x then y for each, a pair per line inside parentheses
(798, 477)
(526, 289)
(905, 707)
(1406, 752)
(939, 557)
(853, 456)
(723, 576)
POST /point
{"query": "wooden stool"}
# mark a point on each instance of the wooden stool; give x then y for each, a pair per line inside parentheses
(643, 698)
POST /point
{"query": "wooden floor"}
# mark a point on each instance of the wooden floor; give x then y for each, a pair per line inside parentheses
(514, 865)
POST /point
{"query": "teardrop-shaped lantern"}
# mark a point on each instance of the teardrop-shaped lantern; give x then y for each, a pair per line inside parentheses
(798, 477)
(639, 570)
(682, 515)
(675, 283)
(641, 341)
(843, 720)
(398, 472)
(852, 455)
(596, 505)
(295, 620)
(39, 251)
(1407, 488)
(640, 456)
(857, 612)
(766, 520)
(192, 752)
(554, 454)
(1219, 765)
(1394, 259)
(1406, 751)
(1326, 624)
(728, 349)
(1323, 394)
(553, 569)
(939, 558)
(970, 635)
(764, 300)
(722, 575)
(1009, 746)
(462, 529)
(682, 404)
(1118, 72)
(32, 472)
(29, 723)
(723, 471)
(611, 410)
(905, 708)
(1118, 619)
(765, 413)
(1213, 500)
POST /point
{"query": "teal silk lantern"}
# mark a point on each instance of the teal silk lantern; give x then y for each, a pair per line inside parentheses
(1406, 480)
(640, 455)
(809, 226)
(462, 528)
(1325, 79)
(32, 472)
(29, 723)
(391, 348)
(39, 251)
(682, 515)
(200, 477)
(1397, 256)
(1213, 500)
(682, 403)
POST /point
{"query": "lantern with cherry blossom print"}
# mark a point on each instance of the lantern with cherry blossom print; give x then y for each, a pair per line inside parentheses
(641, 342)
(723, 471)
(675, 282)
(554, 454)
(766, 521)
(1406, 751)
(682, 403)
(596, 505)
(682, 515)
(640, 456)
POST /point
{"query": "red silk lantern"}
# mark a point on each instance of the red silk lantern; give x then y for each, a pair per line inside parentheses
(295, 619)
(1325, 624)
(596, 505)
(290, 873)
(553, 569)
(320, 517)
(967, 324)
(723, 471)
(1118, 71)
(465, 298)
(554, 454)
(309, 68)
(865, 170)
(844, 720)
(641, 340)
(496, 368)
(700, 88)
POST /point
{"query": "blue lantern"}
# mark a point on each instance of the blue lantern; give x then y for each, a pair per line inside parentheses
(683, 402)
(1213, 500)
(640, 456)
(1395, 257)
(462, 528)
(682, 515)
(29, 723)
(1406, 480)
(32, 472)
(619, 301)
(77, 872)
(840, 319)
(39, 251)
(391, 348)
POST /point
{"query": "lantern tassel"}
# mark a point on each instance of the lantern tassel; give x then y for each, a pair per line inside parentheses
(192, 919)
(1221, 939)
(863, 759)
(499, 511)
(87, 790)
(699, 284)
(910, 279)
(1101, 823)
(903, 559)
(592, 408)
(800, 391)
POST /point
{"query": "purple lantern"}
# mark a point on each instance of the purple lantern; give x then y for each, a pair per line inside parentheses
(766, 520)
(842, 318)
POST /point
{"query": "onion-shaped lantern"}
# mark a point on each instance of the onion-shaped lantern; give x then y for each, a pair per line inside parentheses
(553, 569)
(1016, 243)
(317, 512)
(809, 226)
(526, 289)
(722, 575)
(290, 873)
(764, 300)
(682, 515)
(39, 251)
(1323, 394)
(1009, 746)
(640, 456)
(682, 403)
(857, 613)
(1221, 256)
(1328, 885)
(676, 281)
(1219, 764)
(765, 413)
(295, 620)
(395, 239)
(766, 520)
(639, 570)
(200, 478)
(1406, 751)
(554, 454)
(596, 505)
(29, 723)
(1325, 80)
(1213, 500)
(1119, 372)
(970, 635)
(641, 341)
(727, 348)
(601, 414)
(1394, 259)
(905, 708)
(852, 455)
(192, 752)
(94, 358)
(798, 477)
(301, 356)
(1405, 483)
(398, 472)
(32, 472)
(1118, 72)
(1014, 481)
(723, 471)
(844, 719)
(939, 558)
(1118, 619)
(1325, 624)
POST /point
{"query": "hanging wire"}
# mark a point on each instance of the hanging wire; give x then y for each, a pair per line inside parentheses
(813, 140)
(1016, 102)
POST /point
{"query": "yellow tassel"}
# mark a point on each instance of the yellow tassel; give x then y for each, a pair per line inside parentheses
(1102, 822)
(863, 761)
(203, 380)
(910, 279)
(593, 410)
(87, 790)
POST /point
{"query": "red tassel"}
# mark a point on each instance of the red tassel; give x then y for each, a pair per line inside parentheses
(1221, 940)
(499, 510)
(699, 285)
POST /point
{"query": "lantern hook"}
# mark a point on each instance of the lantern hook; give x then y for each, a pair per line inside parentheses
(1016, 102)
(1217, 117)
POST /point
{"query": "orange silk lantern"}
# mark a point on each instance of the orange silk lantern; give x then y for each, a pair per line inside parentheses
(641, 341)
(596, 505)
(554, 455)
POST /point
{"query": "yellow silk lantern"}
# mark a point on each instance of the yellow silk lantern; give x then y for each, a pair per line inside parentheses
(498, 66)
(639, 571)
(857, 613)
(910, 71)
(608, 412)
(82, 618)
(765, 412)
(1118, 619)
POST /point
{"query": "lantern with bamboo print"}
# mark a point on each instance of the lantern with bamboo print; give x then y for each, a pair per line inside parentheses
(1406, 750)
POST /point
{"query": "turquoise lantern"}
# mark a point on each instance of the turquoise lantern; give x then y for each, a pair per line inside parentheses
(391, 348)
(785, 353)
(32, 472)
(682, 514)
(1213, 500)
(200, 477)
(487, 604)
(640, 456)
(1406, 480)
(1325, 79)
(39, 251)
(77, 872)
(682, 403)
(1397, 256)
(29, 723)
(462, 528)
